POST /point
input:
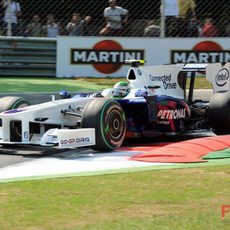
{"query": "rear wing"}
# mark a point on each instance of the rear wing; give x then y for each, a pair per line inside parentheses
(216, 73)
(141, 76)
(194, 67)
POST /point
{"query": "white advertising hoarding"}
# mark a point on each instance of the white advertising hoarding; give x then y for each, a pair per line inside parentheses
(105, 56)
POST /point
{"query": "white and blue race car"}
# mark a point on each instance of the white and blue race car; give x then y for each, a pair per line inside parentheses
(157, 104)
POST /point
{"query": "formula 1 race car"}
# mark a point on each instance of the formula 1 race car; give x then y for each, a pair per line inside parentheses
(156, 104)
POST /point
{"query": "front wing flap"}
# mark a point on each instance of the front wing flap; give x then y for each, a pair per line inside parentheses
(62, 138)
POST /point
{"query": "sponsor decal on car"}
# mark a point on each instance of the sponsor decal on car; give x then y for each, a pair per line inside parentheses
(26, 135)
(23, 109)
(222, 77)
(76, 137)
(75, 140)
(14, 111)
(165, 79)
(171, 114)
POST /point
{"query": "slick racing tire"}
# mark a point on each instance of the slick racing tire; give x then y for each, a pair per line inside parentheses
(108, 119)
(9, 103)
(219, 113)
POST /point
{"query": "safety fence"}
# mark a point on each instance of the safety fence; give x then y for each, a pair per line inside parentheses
(33, 57)
(166, 18)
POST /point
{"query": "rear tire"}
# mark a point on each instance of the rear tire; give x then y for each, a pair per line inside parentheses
(219, 113)
(108, 119)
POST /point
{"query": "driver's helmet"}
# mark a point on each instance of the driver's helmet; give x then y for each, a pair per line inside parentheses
(121, 89)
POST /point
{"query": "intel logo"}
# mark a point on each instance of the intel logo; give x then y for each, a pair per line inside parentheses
(222, 77)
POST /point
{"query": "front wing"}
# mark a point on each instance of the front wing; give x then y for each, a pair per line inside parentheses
(63, 138)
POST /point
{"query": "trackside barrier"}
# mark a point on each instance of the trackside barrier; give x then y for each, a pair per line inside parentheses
(32, 57)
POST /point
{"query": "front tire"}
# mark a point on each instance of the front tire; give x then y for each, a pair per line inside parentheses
(8, 103)
(108, 119)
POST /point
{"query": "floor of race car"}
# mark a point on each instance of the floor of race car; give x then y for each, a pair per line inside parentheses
(83, 162)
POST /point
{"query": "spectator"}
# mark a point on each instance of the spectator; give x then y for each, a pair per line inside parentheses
(77, 26)
(187, 22)
(152, 30)
(171, 12)
(11, 15)
(187, 9)
(34, 29)
(209, 29)
(2, 23)
(194, 28)
(227, 30)
(115, 17)
(51, 29)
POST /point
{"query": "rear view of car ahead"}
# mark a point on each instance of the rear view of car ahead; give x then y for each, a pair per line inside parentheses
(155, 104)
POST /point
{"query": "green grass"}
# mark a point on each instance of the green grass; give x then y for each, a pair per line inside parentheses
(167, 199)
(201, 83)
(24, 85)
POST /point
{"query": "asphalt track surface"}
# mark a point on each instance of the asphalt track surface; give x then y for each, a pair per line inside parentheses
(36, 98)
(10, 155)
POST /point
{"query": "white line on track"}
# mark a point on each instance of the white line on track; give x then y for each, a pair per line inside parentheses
(74, 163)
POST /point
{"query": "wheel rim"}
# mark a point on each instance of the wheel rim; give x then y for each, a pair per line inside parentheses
(16, 130)
(23, 105)
(115, 126)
